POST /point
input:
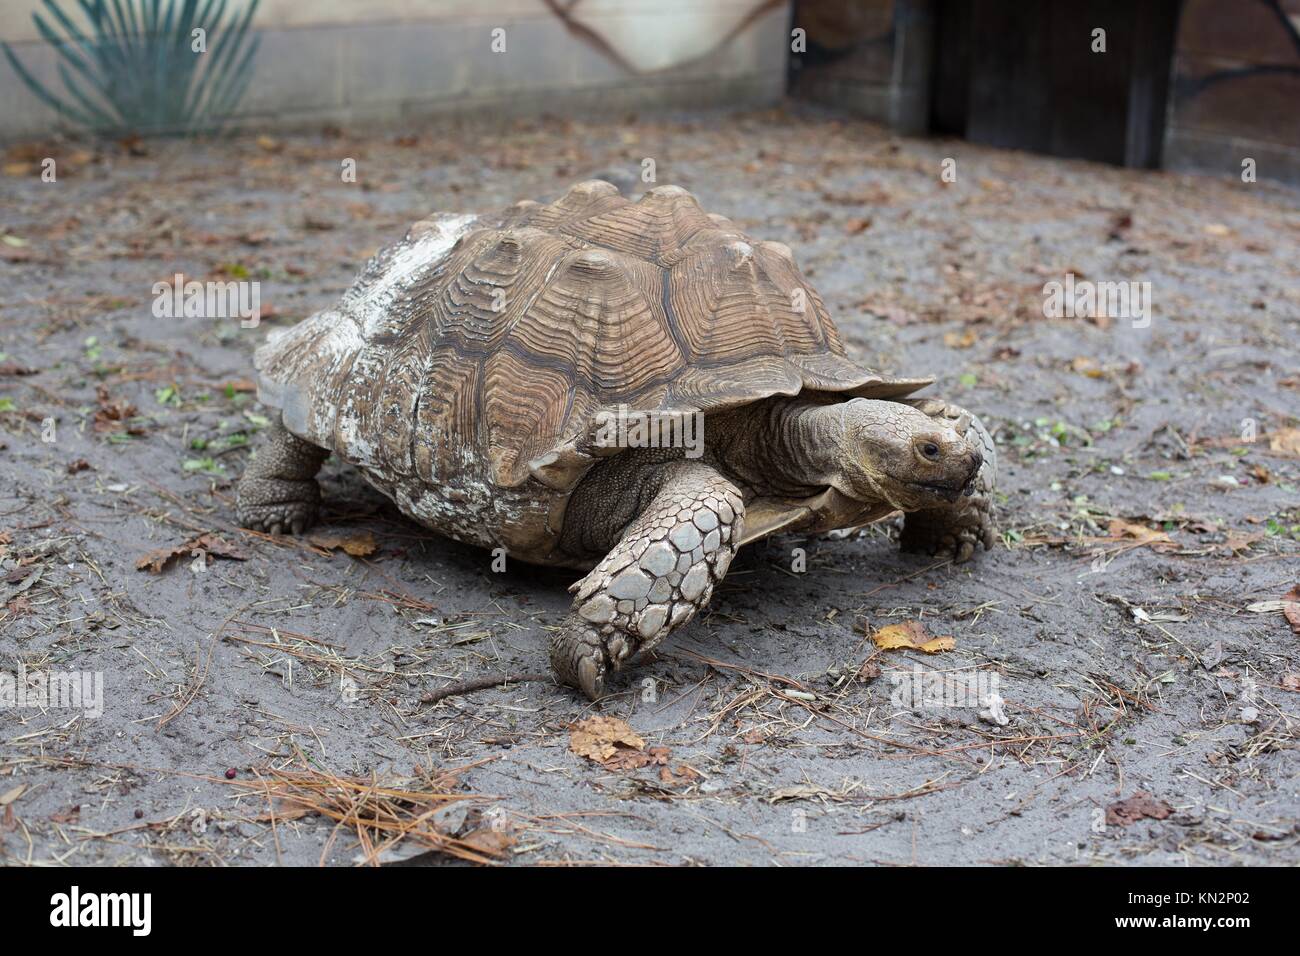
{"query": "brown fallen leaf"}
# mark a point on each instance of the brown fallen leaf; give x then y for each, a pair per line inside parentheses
(911, 635)
(209, 544)
(134, 145)
(1286, 441)
(359, 544)
(611, 743)
(1291, 682)
(488, 840)
(633, 760)
(1087, 366)
(598, 738)
(114, 414)
(1137, 807)
(869, 670)
(682, 773)
(1239, 541)
(1291, 609)
(71, 815)
(1139, 536)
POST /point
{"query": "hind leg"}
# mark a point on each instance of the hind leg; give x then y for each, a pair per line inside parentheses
(661, 571)
(278, 491)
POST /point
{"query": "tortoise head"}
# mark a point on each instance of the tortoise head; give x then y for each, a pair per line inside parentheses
(893, 452)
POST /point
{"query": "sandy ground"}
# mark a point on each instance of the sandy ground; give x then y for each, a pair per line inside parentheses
(1133, 616)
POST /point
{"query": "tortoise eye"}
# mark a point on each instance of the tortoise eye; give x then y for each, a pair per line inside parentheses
(930, 450)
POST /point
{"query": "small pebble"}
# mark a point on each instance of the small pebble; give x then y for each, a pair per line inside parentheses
(139, 814)
(231, 773)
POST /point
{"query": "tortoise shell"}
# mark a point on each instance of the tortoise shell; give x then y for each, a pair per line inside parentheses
(465, 367)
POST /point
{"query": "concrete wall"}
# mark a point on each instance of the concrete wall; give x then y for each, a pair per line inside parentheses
(389, 60)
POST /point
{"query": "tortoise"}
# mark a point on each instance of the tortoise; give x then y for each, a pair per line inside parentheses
(508, 380)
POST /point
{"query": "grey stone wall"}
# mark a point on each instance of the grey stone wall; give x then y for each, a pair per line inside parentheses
(385, 71)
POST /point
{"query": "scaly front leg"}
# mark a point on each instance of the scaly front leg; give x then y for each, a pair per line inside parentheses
(954, 530)
(660, 573)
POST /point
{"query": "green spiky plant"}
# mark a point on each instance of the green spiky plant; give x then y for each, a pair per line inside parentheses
(133, 71)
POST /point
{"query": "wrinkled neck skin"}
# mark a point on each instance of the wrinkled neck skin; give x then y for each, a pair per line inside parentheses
(792, 448)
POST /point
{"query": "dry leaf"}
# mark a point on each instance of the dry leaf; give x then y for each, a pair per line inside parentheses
(1291, 682)
(1286, 441)
(911, 635)
(1239, 541)
(1141, 536)
(633, 760)
(1087, 366)
(70, 815)
(611, 742)
(9, 796)
(359, 544)
(1291, 609)
(489, 841)
(114, 414)
(209, 544)
(1135, 808)
(683, 773)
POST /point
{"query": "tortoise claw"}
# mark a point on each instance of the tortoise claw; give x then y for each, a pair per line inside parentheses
(578, 657)
(591, 677)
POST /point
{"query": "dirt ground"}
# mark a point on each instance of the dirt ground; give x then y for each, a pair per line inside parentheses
(1134, 615)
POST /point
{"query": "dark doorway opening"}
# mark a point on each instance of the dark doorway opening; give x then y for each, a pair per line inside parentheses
(1025, 76)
